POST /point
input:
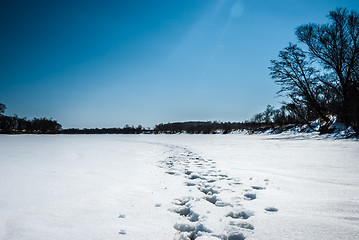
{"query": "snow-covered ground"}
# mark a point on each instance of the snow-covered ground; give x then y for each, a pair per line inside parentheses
(287, 186)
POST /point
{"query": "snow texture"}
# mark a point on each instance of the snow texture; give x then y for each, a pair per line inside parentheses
(237, 186)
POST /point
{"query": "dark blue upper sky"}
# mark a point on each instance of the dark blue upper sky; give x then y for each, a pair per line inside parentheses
(110, 63)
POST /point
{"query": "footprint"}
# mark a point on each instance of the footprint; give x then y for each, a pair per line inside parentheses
(208, 190)
(239, 214)
(190, 230)
(271, 209)
(244, 225)
(185, 227)
(189, 184)
(121, 216)
(122, 232)
(182, 201)
(223, 204)
(158, 205)
(212, 199)
(186, 211)
(193, 217)
(193, 176)
(250, 196)
(183, 211)
(258, 188)
(234, 236)
(237, 183)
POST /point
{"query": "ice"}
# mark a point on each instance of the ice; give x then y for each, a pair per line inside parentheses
(235, 186)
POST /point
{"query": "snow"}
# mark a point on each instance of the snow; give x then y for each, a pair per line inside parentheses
(235, 186)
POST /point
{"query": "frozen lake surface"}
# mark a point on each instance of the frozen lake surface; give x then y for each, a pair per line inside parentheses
(234, 186)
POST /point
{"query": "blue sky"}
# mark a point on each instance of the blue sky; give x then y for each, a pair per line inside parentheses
(111, 63)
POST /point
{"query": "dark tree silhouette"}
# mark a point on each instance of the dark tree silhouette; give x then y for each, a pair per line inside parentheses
(43, 125)
(324, 78)
(336, 47)
(2, 108)
(299, 80)
(16, 124)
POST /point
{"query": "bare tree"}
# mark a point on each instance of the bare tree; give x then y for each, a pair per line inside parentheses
(298, 79)
(336, 47)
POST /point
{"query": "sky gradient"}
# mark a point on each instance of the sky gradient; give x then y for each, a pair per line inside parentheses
(111, 63)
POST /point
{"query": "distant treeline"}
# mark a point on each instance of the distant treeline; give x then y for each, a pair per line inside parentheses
(16, 124)
(126, 130)
(276, 119)
(191, 127)
(270, 118)
(199, 127)
(195, 127)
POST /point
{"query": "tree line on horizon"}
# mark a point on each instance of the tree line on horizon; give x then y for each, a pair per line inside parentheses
(318, 81)
(125, 130)
(214, 127)
(275, 119)
(16, 124)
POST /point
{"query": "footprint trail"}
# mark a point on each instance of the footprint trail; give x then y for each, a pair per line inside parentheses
(213, 207)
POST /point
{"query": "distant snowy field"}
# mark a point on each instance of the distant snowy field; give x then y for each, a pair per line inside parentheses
(234, 186)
